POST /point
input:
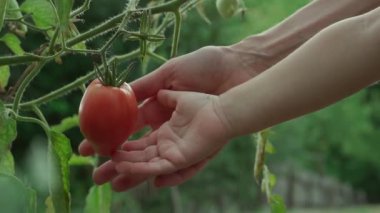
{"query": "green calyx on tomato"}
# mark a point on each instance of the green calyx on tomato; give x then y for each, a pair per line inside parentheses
(109, 76)
(107, 116)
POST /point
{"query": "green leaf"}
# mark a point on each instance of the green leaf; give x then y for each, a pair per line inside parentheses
(15, 196)
(13, 43)
(64, 9)
(14, 12)
(66, 124)
(8, 131)
(77, 160)
(3, 8)
(99, 199)
(277, 204)
(59, 154)
(4, 76)
(42, 12)
(7, 164)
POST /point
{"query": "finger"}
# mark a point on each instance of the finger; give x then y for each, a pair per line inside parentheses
(125, 182)
(105, 173)
(179, 177)
(150, 84)
(136, 156)
(168, 98)
(141, 143)
(85, 148)
(155, 168)
(152, 113)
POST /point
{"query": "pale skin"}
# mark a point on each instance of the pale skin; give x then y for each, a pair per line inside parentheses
(201, 124)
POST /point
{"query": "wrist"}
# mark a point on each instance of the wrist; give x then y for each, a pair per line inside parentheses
(256, 53)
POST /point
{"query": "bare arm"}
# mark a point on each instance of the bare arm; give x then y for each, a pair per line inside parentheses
(277, 42)
(337, 62)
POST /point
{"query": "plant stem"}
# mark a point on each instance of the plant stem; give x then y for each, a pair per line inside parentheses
(44, 126)
(40, 115)
(53, 40)
(157, 57)
(20, 92)
(176, 33)
(23, 59)
(85, 6)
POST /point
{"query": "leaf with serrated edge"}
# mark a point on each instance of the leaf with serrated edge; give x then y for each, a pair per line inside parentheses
(58, 159)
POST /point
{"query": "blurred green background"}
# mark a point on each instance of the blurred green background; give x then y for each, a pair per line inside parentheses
(339, 142)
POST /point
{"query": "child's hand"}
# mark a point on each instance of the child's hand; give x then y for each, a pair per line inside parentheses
(176, 150)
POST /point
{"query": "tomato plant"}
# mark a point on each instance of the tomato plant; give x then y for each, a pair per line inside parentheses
(108, 110)
(107, 116)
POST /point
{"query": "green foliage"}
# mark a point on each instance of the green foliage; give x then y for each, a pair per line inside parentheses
(16, 197)
(42, 12)
(13, 12)
(66, 124)
(13, 43)
(99, 199)
(277, 204)
(58, 157)
(3, 7)
(7, 164)
(7, 131)
(63, 8)
(323, 140)
(4, 76)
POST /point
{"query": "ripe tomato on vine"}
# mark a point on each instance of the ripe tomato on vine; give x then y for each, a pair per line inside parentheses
(107, 116)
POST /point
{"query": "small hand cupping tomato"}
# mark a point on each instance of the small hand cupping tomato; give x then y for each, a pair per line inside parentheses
(107, 116)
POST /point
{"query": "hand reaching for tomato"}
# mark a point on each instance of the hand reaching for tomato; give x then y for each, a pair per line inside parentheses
(211, 70)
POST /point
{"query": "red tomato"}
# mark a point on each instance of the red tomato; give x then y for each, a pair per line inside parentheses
(107, 116)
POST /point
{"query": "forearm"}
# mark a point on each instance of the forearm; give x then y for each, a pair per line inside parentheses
(277, 42)
(337, 62)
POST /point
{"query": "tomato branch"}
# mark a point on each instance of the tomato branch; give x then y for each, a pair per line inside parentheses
(78, 83)
(30, 120)
(23, 59)
(35, 69)
(85, 6)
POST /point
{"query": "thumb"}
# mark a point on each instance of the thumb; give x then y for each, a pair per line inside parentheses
(168, 98)
(148, 85)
